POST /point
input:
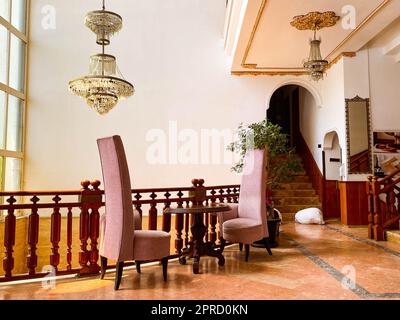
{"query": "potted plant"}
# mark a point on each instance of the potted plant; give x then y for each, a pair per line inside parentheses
(282, 163)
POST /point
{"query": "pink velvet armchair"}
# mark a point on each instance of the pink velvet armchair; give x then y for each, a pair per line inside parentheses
(247, 221)
(122, 238)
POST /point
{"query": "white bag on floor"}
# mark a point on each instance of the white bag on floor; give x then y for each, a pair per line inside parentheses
(309, 216)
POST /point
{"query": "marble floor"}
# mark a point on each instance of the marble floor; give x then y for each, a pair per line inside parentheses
(312, 262)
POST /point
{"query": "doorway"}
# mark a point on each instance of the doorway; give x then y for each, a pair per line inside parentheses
(284, 111)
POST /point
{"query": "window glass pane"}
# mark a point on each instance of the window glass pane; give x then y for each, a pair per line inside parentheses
(2, 119)
(18, 12)
(5, 9)
(12, 181)
(17, 63)
(3, 54)
(14, 124)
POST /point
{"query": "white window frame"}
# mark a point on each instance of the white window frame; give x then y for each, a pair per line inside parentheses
(24, 37)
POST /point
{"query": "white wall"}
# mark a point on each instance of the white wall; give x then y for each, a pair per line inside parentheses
(172, 51)
(384, 82)
(318, 120)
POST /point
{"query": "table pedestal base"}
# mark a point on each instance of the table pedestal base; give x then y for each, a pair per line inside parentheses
(198, 248)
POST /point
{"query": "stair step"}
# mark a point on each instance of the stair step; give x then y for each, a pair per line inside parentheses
(393, 236)
(288, 216)
(301, 173)
(295, 208)
(301, 178)
(297, 186)
(293, 193)
(283, 201)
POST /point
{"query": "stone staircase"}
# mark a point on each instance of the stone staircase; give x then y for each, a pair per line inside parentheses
(294, 196)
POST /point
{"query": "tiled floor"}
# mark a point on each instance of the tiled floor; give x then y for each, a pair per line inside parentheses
(312, 262)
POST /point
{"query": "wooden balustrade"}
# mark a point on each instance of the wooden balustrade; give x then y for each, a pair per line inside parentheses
(383, 205)
(86, 206)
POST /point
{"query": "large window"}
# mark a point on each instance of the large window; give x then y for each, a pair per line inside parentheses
(13, 57)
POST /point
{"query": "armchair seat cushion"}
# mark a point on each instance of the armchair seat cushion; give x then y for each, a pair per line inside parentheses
(151, 245)
(242, 230)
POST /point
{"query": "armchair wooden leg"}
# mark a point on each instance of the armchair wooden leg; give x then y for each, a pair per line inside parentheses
(222, 246)
(267, 246)
(103, 265)
(241, 246)
(118, 275)
(247, 249)
(137, 264)
(164, 262)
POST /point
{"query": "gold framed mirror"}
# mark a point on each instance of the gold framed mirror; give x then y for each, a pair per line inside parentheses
(358, 132)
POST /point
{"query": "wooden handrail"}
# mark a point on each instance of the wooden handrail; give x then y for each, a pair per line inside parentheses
(389, 177)
(88, 204)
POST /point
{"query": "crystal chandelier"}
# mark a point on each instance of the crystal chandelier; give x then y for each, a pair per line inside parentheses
(315, 64)
(104, 86)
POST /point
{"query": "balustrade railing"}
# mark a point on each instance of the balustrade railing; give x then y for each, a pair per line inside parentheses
(383, 204)
(67, 225)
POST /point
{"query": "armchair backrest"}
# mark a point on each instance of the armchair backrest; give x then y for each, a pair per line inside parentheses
(118, 225)
(253, 188)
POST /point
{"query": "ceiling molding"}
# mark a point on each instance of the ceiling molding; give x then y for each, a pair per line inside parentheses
(268, 73)
(340, 56)
(291, 73)
(295, 71)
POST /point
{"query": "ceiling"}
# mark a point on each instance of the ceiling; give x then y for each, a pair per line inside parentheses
(268, 44)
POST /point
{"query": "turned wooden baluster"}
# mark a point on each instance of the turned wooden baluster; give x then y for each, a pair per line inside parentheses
(213, 229)
(179, 226)
(235, 197)
(166, 222)
(229, 198)
(33, 237)
(207, 224)
(188, 223)
(84, 229)
(213, 193)
(55, 234)
(221, 195)
(153, 213)
(69, 239)
(138, 206)
(378, 228)
(9, 239)
(371, 208)
(94, 226)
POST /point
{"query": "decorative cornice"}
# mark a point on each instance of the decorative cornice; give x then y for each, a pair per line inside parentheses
(315, 20)
(268, 73)
(340, 56)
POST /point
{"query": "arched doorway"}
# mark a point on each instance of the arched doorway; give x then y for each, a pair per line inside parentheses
(332, 156)
(293, 107)
(284, 111)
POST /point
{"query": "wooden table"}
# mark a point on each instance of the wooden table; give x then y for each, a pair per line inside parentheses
(198, 247)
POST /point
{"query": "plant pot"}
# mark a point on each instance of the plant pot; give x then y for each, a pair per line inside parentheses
(273, 230)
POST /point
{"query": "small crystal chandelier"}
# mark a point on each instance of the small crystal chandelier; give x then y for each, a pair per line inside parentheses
(315, 64)
(104, 86)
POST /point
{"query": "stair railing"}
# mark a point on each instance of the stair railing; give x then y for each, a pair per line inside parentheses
(383, 204)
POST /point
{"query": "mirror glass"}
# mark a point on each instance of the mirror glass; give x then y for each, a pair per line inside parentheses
(359, 158)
